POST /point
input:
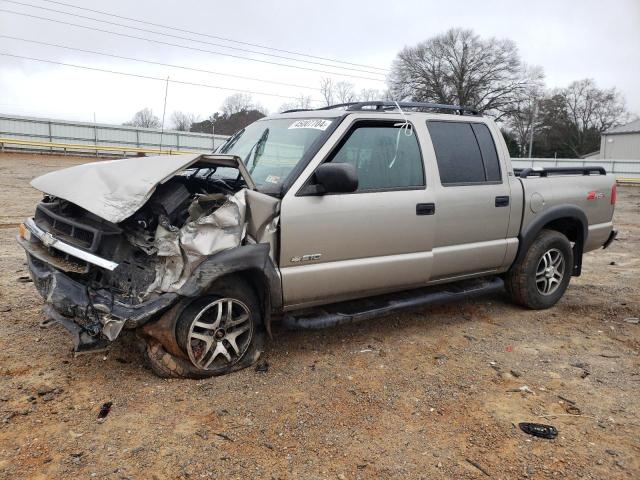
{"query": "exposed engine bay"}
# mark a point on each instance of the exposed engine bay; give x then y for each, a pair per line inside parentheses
(197, 212)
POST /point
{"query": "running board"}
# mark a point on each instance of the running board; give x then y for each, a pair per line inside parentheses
(368, 308)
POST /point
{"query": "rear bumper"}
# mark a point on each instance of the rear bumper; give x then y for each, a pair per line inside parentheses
(92, 316)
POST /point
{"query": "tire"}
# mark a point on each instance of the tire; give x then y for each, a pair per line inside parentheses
(540, 279)
(218, 333)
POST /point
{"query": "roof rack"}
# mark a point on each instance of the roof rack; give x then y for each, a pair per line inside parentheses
(381, 105)
(385, 105)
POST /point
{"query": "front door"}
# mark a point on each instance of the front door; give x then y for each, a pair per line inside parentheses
(377, 239)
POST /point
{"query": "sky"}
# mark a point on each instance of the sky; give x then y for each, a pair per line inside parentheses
(570, 40)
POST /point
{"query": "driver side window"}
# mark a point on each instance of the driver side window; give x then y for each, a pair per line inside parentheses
(386, 156)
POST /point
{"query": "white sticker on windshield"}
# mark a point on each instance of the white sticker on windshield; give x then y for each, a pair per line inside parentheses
(316, 123)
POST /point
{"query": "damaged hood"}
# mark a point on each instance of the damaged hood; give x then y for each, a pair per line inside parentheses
(116, 189)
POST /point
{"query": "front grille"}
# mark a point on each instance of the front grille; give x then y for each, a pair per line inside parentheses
(66, 229)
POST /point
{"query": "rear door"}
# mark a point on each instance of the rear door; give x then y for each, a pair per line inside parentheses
(473, 200)
(377, 239)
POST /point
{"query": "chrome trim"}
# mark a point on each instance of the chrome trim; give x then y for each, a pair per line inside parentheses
(50, 241)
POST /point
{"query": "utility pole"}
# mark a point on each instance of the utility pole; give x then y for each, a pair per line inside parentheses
(533, 122)
(164, 111)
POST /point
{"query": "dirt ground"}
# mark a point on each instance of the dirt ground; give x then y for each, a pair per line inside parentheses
(431, 394)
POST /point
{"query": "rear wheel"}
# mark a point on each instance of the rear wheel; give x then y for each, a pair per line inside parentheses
(540, 279)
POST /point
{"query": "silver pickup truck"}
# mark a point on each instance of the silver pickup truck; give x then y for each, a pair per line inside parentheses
(310, 217)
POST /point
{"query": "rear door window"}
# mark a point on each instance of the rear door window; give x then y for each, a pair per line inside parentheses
(465, 152)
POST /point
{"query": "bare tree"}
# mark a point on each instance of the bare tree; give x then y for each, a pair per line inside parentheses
(591, 111)
(182, 121)
(144, 118)
(459, 67)
(344, 92)
(327, 90)
(590, 107)
(240, 102)
(523, 116)
(303, 102)
(370, 94)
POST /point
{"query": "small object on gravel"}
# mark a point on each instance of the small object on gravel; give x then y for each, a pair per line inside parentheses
(523, 389)
(633, 320)
(612, 263)
(262, 367)
(5, 308)
(572, 402)
(24, 279)
(223, 436)
(572, 409)
(585, 374)
(46, 322)
(515, 373)
(478, 466)
(539, 430)
(104, 410)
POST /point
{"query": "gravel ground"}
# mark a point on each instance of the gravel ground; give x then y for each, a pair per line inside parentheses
(431, 394)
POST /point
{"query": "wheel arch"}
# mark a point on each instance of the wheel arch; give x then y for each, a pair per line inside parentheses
(252, 264)
(569, 220)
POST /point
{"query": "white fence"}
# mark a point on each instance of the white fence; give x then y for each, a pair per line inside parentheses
(41, 130)
(623, 169)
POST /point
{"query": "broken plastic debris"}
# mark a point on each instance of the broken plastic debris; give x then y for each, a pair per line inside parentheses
(634, 320)
(539, 430)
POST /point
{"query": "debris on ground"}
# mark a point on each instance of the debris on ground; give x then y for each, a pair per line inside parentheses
(523, 389)
(262, 367)
(5, 308)
(104, 410)
(633, 320)
(478, 466)
(539, 430)
(24, 279)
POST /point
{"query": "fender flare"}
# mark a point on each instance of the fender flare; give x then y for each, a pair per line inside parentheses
(531, 231)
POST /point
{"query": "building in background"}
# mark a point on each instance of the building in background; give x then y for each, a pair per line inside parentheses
(621, 142)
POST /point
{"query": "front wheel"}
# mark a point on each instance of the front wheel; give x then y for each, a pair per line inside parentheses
(540, 279)
(218, 334)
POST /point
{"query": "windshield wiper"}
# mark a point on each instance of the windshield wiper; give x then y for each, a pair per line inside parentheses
(226, 146)
(259, 150)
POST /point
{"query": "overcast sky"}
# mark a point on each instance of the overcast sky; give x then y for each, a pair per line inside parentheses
(569, 39)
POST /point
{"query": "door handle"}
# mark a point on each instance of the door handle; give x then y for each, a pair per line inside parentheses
(502, 201)
(425, 209)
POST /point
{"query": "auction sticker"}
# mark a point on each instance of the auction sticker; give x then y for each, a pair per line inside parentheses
(317, 123)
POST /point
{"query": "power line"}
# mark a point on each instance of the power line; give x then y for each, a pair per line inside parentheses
(148, 77)
(187, 47)
(101, 12)
(111, 55)
(155, 32)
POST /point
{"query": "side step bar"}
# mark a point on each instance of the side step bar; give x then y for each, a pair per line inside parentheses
(366, 309)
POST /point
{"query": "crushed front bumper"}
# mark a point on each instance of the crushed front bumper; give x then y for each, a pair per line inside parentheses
(94, 316)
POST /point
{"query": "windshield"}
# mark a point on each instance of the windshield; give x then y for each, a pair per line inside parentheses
(272, 148)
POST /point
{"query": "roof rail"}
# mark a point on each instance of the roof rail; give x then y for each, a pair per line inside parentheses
(387, 105)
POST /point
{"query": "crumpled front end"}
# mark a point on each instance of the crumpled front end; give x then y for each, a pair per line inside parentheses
(98, 277)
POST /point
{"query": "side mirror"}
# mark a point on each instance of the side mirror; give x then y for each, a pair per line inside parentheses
(336, 178)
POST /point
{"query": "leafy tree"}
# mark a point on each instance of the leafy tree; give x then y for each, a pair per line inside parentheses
(145, 119)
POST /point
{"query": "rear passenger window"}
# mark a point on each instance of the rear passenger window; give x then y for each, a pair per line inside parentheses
(385, 156)
(465, 152)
